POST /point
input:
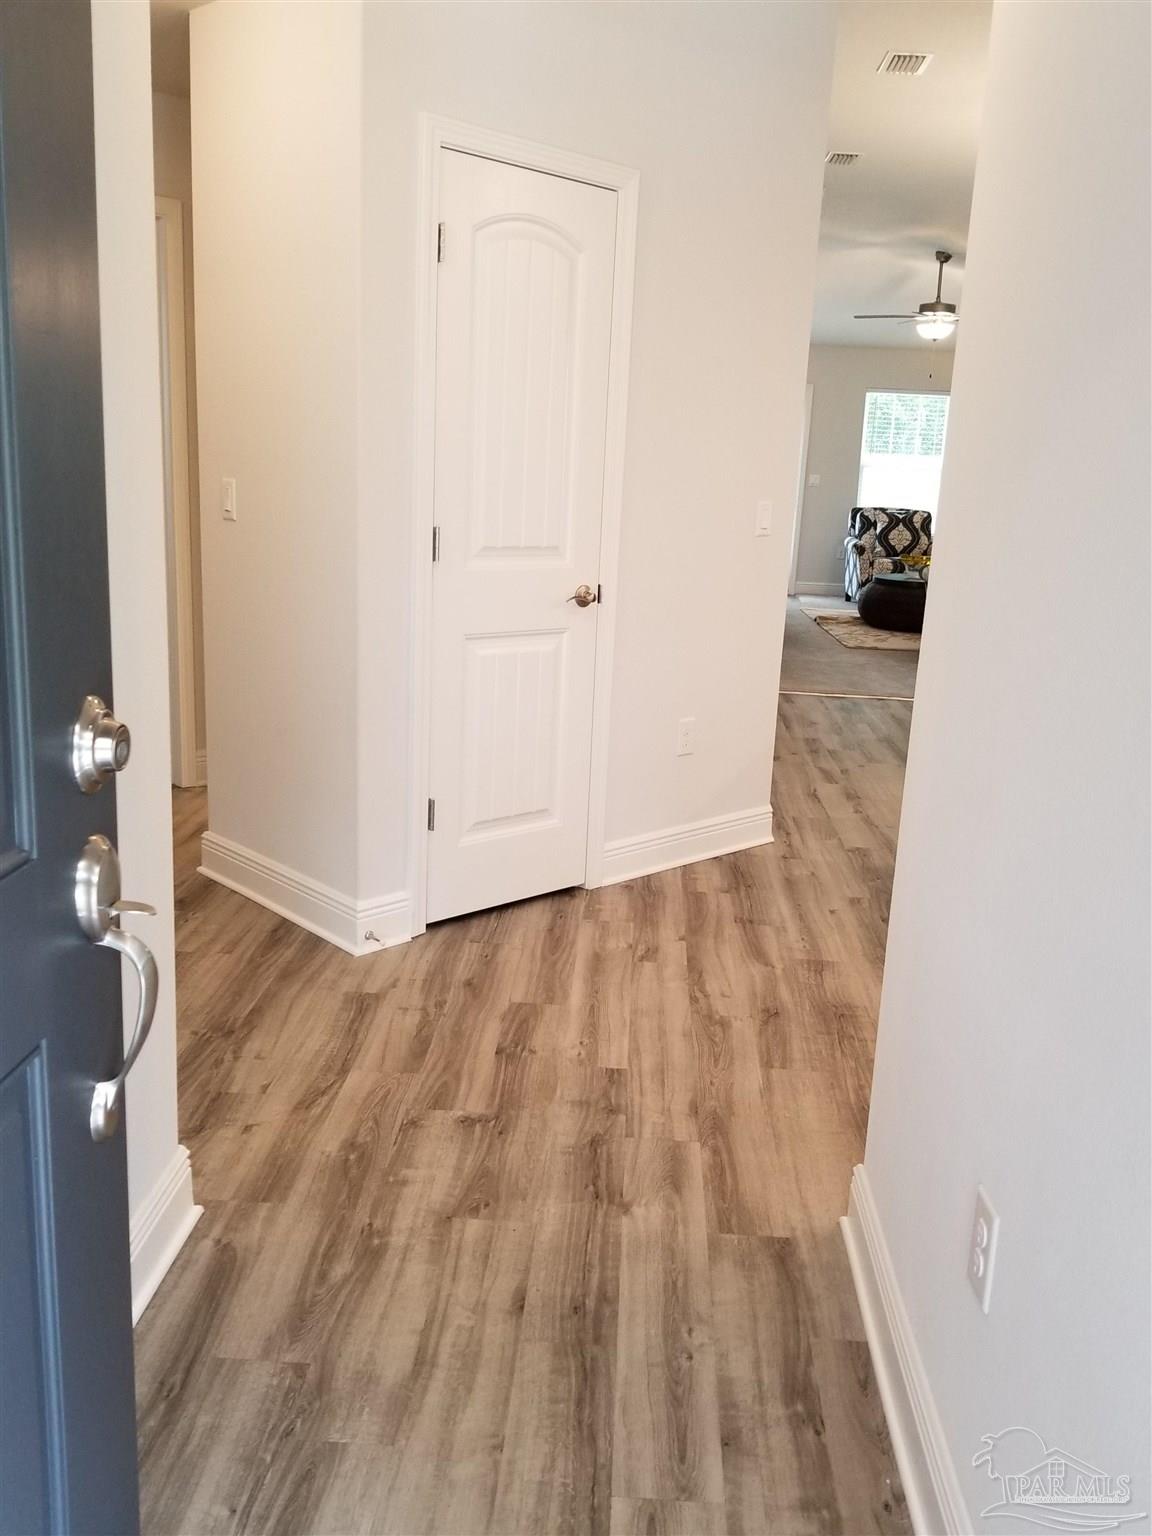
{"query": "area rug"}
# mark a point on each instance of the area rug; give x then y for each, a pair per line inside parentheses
(850, 629)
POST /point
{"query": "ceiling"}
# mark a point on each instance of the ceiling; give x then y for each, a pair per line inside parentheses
(910, 192)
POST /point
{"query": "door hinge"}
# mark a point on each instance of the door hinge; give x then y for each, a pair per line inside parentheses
(431, 814)
(435, 542)
(439, 242)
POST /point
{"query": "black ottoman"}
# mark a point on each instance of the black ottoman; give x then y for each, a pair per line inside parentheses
(894, 602)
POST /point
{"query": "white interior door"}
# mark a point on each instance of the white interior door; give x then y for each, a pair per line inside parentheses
(523, 324)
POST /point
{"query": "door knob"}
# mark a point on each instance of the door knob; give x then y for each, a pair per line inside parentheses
(98, 908)
(583, 597)
(100, 745)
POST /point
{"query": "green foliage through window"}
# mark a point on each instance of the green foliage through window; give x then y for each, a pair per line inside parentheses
(900, 423)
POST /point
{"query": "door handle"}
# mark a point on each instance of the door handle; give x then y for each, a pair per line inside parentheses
(583, 597)
(98, 909)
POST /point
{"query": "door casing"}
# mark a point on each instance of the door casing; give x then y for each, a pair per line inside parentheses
(436, 134)
(178, 513)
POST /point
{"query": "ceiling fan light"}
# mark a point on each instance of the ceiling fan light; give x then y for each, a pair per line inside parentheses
(936, 327)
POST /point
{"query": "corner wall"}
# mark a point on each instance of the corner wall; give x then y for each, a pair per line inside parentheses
(1013, 1046)
(276, 167)
(722, 109)
(305, 123)
(161, 1208)
(840, 379)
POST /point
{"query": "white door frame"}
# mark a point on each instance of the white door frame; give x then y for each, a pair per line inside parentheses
(436, 134)
(800, 492)
(177, 510)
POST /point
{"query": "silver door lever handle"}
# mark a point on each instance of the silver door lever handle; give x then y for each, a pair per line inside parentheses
(98, 908)
(107, 1096)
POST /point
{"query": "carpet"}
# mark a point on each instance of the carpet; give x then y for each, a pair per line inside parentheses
(851, 630)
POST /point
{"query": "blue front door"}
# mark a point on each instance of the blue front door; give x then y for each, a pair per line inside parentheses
(67, 1424)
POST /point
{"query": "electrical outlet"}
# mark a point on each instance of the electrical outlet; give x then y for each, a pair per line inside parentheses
(982, 1248)
(228, 499)
(686, 738)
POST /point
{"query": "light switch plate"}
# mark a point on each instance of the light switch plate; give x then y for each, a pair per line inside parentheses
(763, 519)
(228, 499)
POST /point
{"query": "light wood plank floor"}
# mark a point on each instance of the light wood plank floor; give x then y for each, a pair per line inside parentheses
(529, 1227)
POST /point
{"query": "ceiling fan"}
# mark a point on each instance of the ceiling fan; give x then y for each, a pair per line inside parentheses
(935, 321)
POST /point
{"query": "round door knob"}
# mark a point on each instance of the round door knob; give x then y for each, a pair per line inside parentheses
(583, 597)
(100, 745)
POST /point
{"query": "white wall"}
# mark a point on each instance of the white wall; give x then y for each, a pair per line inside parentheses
(172, 152)
(722, 110)
(304, 117)
(1014, 1030)
(840, 379)
(159, 1180)
(276, 164)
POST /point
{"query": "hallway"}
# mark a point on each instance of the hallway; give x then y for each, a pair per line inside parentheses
(529, 1226)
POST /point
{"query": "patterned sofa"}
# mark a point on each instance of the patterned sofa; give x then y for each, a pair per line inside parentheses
(878, 538)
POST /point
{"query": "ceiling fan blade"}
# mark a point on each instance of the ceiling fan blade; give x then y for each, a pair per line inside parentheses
(885, 317)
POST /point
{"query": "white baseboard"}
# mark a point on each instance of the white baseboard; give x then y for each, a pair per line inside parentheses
(820, 589)
(329, 914)
(629, 857)
(159, 1229)
(936, 1502)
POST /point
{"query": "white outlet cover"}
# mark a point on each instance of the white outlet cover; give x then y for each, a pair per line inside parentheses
(982, 1248)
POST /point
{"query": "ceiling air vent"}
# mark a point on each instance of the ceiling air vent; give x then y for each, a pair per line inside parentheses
(840, 157)
(904, 63)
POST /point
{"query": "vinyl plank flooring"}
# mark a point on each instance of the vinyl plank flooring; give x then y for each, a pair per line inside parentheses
(528, 1228)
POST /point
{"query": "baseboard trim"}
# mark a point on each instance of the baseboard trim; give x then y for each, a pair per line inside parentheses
(630, 857)
(936, 1501)
(357, 927)
(819, 589)
(160, 1228)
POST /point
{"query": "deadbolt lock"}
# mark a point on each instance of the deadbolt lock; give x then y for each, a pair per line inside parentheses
(100, 745)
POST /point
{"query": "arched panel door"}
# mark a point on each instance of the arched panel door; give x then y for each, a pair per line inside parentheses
(524, 318)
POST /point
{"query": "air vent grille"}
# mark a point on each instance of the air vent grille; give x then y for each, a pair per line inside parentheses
(904, 63)
(840, 157)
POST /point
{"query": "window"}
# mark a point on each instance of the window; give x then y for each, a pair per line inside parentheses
(902, 450)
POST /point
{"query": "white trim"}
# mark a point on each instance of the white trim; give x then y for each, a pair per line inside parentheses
(436, 134)
(878, 698)
(801, 490)
(160, 1228)
(820, 589)
(629, 857)
(936, 1502)
(340, 919)
(177, 488)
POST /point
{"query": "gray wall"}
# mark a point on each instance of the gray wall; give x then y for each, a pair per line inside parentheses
(840, 378)
(1014, 1046)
